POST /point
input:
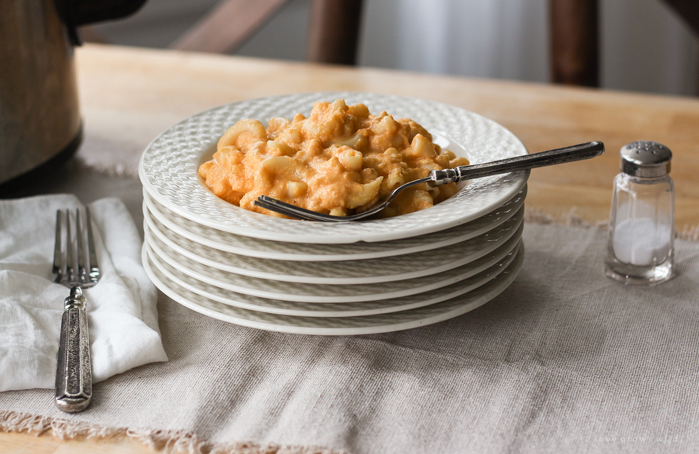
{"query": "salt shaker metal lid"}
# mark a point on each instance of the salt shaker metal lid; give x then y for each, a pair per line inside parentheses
(645, 159)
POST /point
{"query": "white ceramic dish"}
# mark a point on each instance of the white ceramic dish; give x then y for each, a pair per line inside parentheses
(277, 250)
(339, 326)
(168, 170)
(368, 271)
(327, 310)
(325, 293)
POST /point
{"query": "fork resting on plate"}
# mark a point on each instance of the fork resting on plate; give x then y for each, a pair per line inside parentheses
(439, 177)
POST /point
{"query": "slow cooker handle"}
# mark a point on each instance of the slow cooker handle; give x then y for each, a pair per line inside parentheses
(75, 13)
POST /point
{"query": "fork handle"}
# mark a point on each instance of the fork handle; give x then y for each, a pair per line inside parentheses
(74, 371)
(545, 158)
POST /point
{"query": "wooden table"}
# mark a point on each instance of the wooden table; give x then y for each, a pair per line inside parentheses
(139, 93)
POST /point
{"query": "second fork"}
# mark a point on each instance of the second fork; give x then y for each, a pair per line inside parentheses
(75, 266)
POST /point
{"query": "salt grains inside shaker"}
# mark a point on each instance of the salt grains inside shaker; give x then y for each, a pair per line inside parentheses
(641, 224)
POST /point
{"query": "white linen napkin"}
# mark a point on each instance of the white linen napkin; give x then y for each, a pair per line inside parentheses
(121, 308)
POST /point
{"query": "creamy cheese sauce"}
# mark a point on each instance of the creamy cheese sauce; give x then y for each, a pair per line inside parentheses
(341, 160)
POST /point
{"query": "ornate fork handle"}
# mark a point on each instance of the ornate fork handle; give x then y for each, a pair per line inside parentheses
(542, 159)
(74, 371)
(76, 267)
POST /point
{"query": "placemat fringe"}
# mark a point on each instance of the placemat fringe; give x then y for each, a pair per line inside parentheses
(690, 233)
(572, 219)
(120, 169)
(569, 219)
(168, 441)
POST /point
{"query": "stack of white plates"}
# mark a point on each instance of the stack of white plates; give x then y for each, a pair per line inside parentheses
(331, 278)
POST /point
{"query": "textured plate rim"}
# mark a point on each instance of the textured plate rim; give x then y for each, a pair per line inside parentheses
(504, 230)
(500, 252)
(486, 293)
(326, 233)
(330, 311)
(149, 209)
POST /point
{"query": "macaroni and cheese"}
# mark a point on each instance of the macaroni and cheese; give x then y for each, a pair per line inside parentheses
(340, 160)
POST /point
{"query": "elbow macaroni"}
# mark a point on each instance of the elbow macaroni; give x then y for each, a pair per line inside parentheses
(341, 160)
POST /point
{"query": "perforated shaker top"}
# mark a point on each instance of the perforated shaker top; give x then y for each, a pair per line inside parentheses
(645, 159)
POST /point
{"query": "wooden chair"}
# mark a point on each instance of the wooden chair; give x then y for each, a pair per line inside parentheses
(333, 34)
(575, 38)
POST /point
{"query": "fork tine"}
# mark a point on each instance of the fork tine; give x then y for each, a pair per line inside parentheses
(71, 247)
(298, 213)
(58, 250)
(80, 244)
(92, 251)
(280, 209)
(293, 211)
(288, 209)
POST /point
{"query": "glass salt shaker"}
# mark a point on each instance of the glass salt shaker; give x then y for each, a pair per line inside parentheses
(642, 220)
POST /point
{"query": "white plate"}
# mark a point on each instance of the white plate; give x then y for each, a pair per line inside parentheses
(168, 170)
(368, 271)
(325, 293)
(340, 326)
(324, 310)
(277, 250)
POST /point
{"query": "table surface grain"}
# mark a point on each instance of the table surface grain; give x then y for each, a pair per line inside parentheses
(141, 92)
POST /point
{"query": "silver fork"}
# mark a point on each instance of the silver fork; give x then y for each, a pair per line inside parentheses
(439, 177)
(75, 266)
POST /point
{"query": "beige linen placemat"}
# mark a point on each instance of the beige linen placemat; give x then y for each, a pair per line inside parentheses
(564, 360)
